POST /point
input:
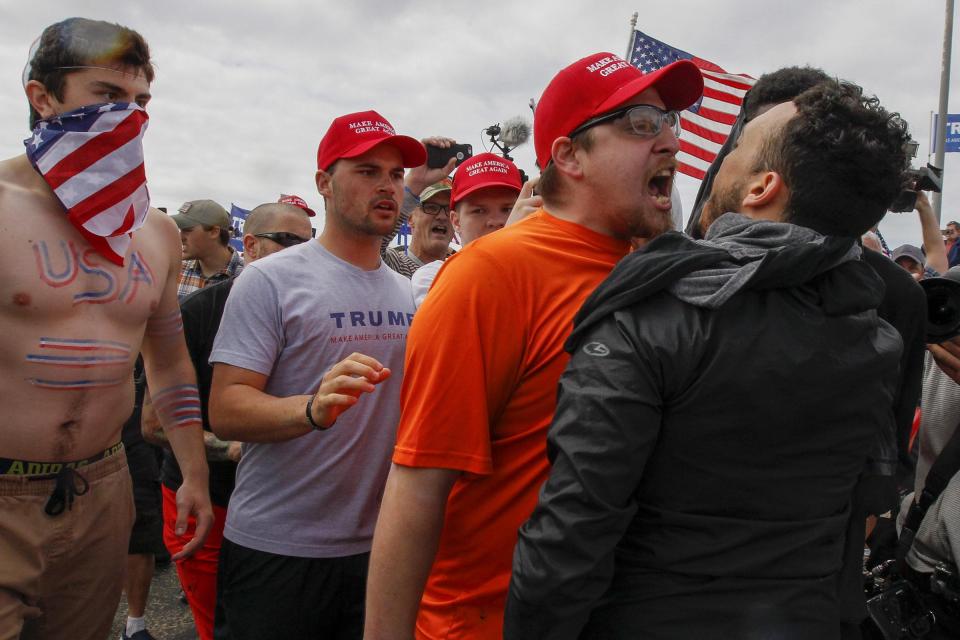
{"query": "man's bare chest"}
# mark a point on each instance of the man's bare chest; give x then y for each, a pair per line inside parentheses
(50, 271)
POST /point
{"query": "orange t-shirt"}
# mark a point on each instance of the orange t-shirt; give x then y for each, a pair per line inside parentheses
(484, 356)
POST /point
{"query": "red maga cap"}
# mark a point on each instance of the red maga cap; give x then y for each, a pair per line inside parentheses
(481, 171)
(356, 133)
(600, 83)
(296, 201)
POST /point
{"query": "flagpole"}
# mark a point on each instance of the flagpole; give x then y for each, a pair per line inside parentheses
(933, 140)
(941, 132)
(633, 34)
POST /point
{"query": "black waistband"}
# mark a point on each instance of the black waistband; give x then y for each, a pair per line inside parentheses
(48, 470)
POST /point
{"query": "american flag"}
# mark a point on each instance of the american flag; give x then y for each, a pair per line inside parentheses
(92, 159)
(707, 123)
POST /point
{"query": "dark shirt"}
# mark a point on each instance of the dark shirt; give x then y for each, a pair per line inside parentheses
(703, 459)
(904, 306)
(201, 312)
(953, 255)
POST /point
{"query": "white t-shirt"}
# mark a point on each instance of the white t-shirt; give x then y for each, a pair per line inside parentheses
(422, 279)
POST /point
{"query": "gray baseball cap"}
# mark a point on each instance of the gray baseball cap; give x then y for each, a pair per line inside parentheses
(909, 251)
(206, 212)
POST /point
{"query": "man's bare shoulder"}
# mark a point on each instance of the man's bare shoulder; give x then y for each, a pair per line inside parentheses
(160, 228)
(25, 199)
(161, 222)
(18, 177)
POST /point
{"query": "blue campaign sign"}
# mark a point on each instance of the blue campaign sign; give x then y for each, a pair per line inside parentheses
(238, 217)
(952, 141)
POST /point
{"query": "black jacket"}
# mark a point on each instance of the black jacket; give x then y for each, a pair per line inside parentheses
(703, 460)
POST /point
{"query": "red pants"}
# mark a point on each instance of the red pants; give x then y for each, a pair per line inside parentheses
(198, 573)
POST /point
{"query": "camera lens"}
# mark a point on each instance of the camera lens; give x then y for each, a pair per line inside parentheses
(943, 308)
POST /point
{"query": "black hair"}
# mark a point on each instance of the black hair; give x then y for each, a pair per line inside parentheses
(842, 157)
(779, 86)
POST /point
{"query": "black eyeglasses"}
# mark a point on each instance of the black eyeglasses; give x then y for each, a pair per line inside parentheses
(282, 238)
(645, 120)
(433, 209)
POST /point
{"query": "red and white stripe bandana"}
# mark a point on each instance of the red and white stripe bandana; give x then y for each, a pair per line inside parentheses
(92, 159)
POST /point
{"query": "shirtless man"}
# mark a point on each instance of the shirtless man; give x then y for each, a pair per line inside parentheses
(77, 304)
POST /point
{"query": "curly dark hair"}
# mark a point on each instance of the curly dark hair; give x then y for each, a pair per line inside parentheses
(77, 42)
(842, 157)
(779, 86)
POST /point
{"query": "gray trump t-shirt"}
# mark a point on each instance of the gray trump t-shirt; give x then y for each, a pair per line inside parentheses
(291, 316)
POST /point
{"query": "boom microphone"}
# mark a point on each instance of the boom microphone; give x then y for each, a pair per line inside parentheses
(515, 132)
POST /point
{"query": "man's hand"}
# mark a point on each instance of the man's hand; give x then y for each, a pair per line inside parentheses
(933, 244)
(419, 178)
(922, 205)
(341, 387)
(193, 499)
(526, 202)
(947, 356)
(234, 451)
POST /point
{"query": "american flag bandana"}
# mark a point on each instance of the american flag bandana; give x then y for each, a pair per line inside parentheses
(92, 159)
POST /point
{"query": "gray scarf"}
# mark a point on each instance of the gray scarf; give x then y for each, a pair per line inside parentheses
(748, 242)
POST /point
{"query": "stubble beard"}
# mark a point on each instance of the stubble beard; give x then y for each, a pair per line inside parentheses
(648, 224)
(721, 201)
(359, 220)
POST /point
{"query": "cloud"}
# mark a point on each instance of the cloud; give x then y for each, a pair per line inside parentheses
(245, 90)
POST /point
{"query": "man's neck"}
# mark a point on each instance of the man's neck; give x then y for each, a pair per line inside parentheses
(360, 250)
(213, 264)
(581, 212)
(417, 252)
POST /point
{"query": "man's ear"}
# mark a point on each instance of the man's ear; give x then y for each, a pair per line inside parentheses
(250, 246)
(455, 220)
(324, 183)
(564, 156)
(41, 99)
(766, 191)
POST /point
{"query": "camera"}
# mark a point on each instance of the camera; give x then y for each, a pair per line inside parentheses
(943, 308)
(894, 605)
(928, 178)
(946, 584)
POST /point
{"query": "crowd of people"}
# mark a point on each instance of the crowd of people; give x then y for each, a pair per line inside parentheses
(552, 415)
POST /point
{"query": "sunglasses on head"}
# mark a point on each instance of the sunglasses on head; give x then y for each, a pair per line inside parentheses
(283, 238)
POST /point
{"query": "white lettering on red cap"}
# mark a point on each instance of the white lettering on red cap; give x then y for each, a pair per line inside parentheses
(608, 65)
(486, 166)
(369, 126)
(614, 68)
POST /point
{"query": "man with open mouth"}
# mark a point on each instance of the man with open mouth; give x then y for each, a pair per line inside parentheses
(484, 190)
(430, 227)
(307, 368)
(486, 351)
(705, 422)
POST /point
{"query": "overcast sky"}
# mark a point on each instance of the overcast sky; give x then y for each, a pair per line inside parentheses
(245, 90)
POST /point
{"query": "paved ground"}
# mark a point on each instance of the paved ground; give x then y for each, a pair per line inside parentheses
(167, 617)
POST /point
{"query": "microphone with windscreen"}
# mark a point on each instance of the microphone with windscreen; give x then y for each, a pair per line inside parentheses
(506, 138)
